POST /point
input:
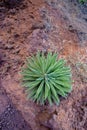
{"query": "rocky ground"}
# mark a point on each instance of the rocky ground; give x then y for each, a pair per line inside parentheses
(27, 26)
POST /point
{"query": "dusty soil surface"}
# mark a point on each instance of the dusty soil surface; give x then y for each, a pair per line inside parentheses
(46, 25)
(10, 117)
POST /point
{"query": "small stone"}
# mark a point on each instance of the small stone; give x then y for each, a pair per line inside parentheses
(37, 26)
(16, 35)
(9, 46)
(12, 11)
(16, 51)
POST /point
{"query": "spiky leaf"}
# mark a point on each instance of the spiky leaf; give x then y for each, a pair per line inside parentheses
(46, 78)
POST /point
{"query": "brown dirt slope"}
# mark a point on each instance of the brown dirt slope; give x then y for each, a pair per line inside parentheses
(10, 117)
(44, 25)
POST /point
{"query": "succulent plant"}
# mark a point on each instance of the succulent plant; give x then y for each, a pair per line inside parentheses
(82, 1)
(46, 78)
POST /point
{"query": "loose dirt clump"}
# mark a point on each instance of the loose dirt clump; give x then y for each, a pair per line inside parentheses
(11, 3)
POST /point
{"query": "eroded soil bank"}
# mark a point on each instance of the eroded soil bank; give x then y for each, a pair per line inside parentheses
(46, 25)
(10, 117)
